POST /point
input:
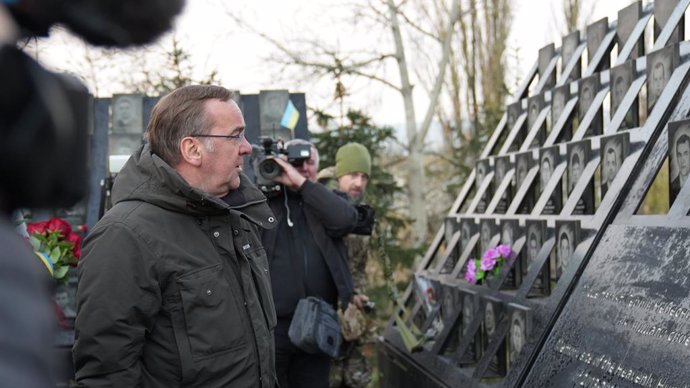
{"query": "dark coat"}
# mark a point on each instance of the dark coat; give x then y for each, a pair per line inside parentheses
(174, 287)
(329, 218)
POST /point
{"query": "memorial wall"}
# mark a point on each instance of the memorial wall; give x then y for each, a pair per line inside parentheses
(592, 292)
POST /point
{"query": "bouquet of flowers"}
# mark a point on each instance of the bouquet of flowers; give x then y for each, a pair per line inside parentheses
(490, 264)
(56, 245)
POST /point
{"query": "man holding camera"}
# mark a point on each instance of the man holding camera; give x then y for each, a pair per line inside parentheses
(307, 257)
(351, 172)
(173, 284)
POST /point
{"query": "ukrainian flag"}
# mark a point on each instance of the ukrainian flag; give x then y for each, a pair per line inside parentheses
(290, 116)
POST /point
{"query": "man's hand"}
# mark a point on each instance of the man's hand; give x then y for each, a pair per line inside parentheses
(359, 300)
(290, 177)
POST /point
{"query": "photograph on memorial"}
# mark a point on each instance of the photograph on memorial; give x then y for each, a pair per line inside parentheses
(127, 113)
(578, 157)
(523, 163)
(621, 78)
(272, 104)
(548, 160)
(514, 111)
(493, 313)
(587, 90)
(595, 36)
(536, 235)
(520, 321)
(679, 156)
(470, 307)
(627, 19)
(124, 143)
(660, 66)
(501, 166)
(570, 43)
(451, 307)
(535, 104)
(482, 168)
(614, 150)
(559, 98)
(567, 238)
(545, 56)
(511, 232)
(452, 251)
(468, 228)
(487, 230)
(662, 13)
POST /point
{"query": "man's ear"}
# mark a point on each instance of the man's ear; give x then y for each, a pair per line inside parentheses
(190, 149)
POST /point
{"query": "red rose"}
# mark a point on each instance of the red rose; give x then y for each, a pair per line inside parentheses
(76, 240)
(36, 227)
(59, 225)
(82, 228)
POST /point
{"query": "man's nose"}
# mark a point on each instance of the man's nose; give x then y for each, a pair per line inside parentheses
(245, 147)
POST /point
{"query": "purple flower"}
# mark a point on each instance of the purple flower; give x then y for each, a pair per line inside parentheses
(488, 262)
(491, 254)
(504, 250)
(470, 276)
(471, 267)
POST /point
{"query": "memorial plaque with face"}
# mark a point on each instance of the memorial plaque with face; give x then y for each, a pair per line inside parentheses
(272, 104)
(65, 300)
(567, 238)
(561, 95)
(467, 229)
(588, 89)
(534, 105)
(614, 149)
(662, 13)
(536, 233)
(547, 162)
(493, 313)
(450, 301)
(502, 165)
(519, 330)
(124, 144)
(595, 36)
(469, 305)
(660, 66)
(578, 156)
(523, 162)
(514, 112)
(627, 19)
(546, 53)
(679, 156)
(487, 230)
(482, 168)
(127, 113)
(570, 43)
(621, 79)
(510, 231)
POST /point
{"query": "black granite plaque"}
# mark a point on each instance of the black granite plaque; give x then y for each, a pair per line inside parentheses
(534, 106)
(451, 226)
(567, 238)
(626, 323)
(487, 231)
(127, 114)
(660, 66)
(272, 104)
(502, 165)
(614, 149)
(678, 155)
(470, 308)
(588, 89)
(662, 12)
(621, 78)
(536, 235)
(627, 19)
(595, 36)
(570, 43)
(514, 111)
(483, 168)
(548, 160)
(523, 163)
(546, 53)
(510, 232)
(520, 325)
(578, 157)
(493, 312)
(559, 98)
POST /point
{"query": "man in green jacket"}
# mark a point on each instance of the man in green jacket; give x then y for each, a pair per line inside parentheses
(174, 288)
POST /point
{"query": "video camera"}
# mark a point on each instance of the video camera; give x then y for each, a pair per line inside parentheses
(266, 168)
(44, 116)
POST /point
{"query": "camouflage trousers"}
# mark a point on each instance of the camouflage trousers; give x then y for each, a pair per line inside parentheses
(352, 369)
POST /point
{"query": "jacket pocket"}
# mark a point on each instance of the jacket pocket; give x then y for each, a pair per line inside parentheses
(262, 278)
(212, 316)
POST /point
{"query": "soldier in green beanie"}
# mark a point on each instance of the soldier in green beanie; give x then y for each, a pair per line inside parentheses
(351, 173)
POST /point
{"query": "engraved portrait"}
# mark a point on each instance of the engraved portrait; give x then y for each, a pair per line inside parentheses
(613, 151)
(679, 155)
(567, 235)
(127, 113)
(660, 66)
(578, 154)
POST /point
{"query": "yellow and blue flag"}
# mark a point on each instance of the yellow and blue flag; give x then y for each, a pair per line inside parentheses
(290, 116)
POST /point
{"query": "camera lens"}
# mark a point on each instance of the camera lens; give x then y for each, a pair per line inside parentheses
(269, 169)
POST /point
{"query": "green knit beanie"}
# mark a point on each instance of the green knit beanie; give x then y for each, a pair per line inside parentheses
(352, 157)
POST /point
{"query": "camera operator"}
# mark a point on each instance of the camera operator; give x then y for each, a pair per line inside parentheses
(307, 255)
(351, 172)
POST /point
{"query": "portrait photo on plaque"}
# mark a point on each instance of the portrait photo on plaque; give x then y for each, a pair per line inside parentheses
(523, 163)
(595, 36)
(470, 307)
(570, 43)
(493, 312)
(535, 237)
(567, 238)
(127, 113)
(678, 155)
(614, 150)
(514, 112)
(520, 322)
(534, 105)
(452, 252)
(501, 166)
(622, 77)
(548, 160)
(510, 231)
(578, 157)
(660, 66)
(272, 104)
(482, 168)
(487, 230)
(587, 90)
(468, 228)
(559, 98)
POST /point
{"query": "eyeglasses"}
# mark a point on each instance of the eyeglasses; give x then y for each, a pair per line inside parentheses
(235, 138)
